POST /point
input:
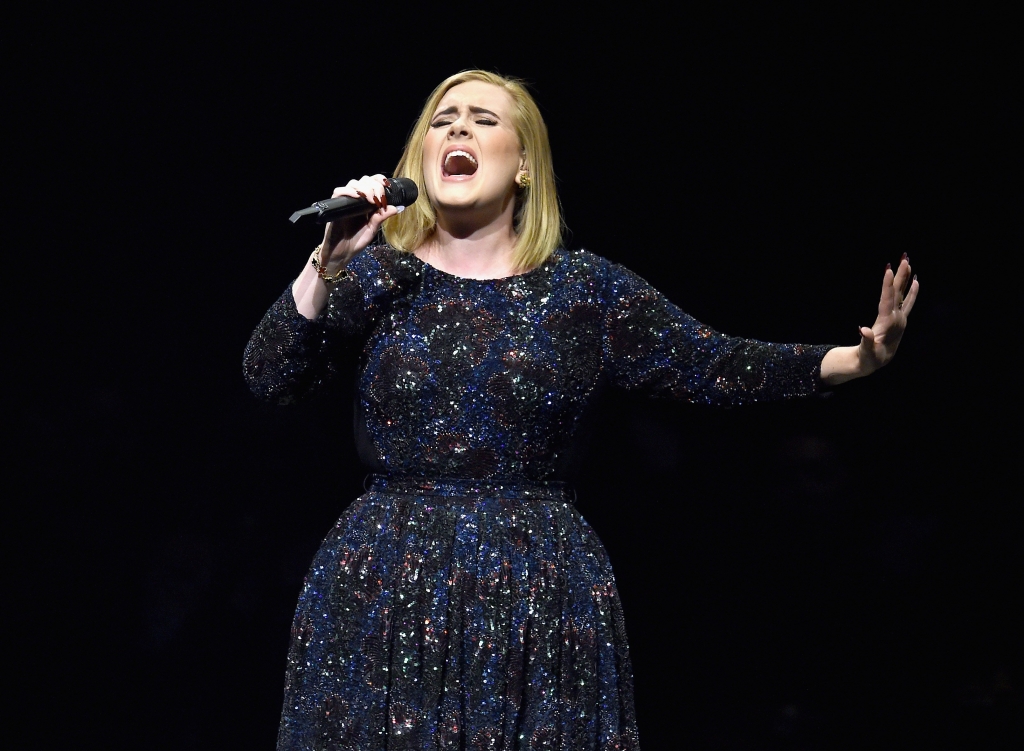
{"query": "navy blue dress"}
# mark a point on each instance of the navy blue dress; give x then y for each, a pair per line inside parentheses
(463, 602)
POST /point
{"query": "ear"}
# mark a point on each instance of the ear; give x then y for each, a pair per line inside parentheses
(524, 169)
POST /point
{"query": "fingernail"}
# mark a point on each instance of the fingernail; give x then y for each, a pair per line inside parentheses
(915, 277)
(888, 267)
(905, 257)
(400, 209)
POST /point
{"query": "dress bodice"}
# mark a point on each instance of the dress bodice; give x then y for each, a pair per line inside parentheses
(489, 378)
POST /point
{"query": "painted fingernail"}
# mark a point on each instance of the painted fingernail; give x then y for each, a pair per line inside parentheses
(888, 267)
(905, 257)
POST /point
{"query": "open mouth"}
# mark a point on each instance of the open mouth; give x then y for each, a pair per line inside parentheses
(459, 163)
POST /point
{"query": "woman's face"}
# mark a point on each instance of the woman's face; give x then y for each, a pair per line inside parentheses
(471, 153)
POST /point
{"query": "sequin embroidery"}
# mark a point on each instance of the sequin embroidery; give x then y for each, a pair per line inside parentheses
(463, 602)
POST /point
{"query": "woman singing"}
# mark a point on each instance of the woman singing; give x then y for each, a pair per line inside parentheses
(463, 602)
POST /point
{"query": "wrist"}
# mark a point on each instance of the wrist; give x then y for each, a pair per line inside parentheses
(866, 363)
(842, 364)
(332, 270)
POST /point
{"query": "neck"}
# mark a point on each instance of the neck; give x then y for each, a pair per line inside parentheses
(481, 252)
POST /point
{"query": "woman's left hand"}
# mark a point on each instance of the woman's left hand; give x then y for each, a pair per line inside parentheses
(878, 344)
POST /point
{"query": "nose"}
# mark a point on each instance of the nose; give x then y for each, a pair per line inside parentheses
(458, 128)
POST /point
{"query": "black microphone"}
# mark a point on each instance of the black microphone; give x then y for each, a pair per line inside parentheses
(400, 191)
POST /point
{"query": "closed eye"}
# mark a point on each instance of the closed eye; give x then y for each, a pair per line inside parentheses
(481, 121)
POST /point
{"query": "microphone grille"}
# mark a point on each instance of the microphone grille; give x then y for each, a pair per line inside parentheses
(402, 191)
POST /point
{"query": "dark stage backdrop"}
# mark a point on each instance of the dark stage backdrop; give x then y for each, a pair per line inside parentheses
(831, 574)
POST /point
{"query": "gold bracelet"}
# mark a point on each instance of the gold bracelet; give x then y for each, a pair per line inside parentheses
(321, 270)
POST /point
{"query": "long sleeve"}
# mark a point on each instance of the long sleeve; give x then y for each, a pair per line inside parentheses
(652, 345)
(289, 357)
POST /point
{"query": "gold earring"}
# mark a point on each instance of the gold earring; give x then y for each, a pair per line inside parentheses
(524, 180)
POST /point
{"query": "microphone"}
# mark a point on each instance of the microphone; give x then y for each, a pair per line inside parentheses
(400, 191)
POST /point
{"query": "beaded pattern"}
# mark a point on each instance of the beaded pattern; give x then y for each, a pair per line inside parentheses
(463, 602)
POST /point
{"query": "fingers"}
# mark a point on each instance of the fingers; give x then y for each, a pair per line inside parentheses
(887, 301)
(378, 217)
(901, 280)
(373, 190)
(895, 288)
(370, 187)
(908, 301)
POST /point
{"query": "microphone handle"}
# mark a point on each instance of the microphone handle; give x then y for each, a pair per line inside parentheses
(339, 208)
(335, 208)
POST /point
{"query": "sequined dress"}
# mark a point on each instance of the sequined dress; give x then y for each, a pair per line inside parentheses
(463, 602)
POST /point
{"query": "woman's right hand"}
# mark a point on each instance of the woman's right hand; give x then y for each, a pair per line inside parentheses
(342, 240)
(345, 237)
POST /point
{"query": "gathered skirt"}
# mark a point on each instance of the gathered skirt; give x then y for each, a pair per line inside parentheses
(459, 614)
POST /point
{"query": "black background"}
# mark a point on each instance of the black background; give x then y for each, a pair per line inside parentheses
(837, 573)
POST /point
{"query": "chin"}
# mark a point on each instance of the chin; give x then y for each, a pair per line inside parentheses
(454, 200)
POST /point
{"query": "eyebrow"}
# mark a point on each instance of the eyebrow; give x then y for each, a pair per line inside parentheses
(475, 110)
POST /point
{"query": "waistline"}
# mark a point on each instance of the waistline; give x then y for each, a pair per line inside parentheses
(517, 488)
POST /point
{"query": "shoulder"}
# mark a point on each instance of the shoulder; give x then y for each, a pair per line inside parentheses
(385, 256)
(583, 266)
(381, 261)
(570, 265)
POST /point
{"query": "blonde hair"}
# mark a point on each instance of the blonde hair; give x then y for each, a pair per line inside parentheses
(538, 216)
